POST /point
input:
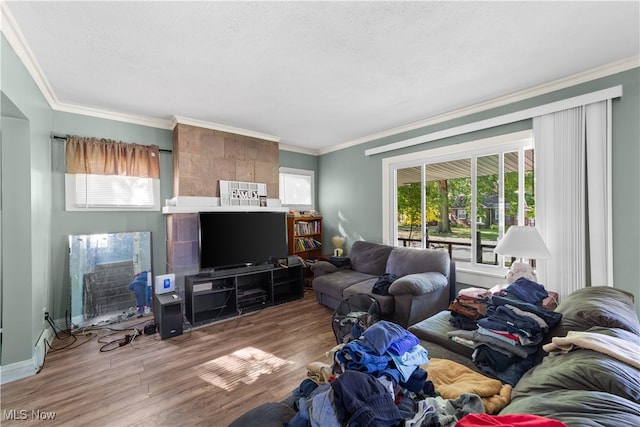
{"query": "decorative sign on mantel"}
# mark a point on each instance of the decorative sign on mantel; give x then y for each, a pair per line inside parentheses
(237, 193)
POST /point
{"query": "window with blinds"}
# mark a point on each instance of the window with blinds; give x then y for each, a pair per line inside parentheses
(297, 188)
(103, 175)
(111, 192)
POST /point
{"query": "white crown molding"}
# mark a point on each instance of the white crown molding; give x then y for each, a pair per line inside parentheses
(563, 104)
(223, 128)
(358, 141)
(9, 27)
(300, 150)
(111, 115)
(11, 31)
(582, 77)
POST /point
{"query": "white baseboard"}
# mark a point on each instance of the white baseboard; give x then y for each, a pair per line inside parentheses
(16, 371)
(26, 368)
(40, 349)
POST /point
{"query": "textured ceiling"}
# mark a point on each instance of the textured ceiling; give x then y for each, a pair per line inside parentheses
(314, 74)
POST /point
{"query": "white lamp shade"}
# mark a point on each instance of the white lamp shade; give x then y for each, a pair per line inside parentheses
(338, 241)
(523, 242)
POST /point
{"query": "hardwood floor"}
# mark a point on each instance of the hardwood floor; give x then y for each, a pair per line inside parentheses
(208, 376)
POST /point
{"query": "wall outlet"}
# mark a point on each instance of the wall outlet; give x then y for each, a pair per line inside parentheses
(45, 314)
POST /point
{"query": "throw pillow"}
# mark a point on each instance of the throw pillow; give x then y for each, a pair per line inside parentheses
(418, 284)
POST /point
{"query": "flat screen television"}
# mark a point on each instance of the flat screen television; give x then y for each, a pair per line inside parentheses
(236, 239)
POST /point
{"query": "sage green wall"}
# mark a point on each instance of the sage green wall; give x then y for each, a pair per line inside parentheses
(34, 230)
(292, 159)
(350, 183)
(26, 208)
(35, 226)
(16, 247)
(68, 223)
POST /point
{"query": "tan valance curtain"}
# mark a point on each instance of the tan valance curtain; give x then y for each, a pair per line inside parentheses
(108, 157)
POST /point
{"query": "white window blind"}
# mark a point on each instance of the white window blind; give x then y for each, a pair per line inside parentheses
(297, 188)
(106, 192)
(106, 175)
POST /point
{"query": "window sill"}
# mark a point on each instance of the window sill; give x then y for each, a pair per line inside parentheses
(480, 278)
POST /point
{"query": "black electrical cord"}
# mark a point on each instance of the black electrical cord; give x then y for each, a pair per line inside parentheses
(93, 331)
(67, 346)
(90, 336)
(55, 331)
(110, 345)
(226, 301)
(121, 342)
(90, 333)
(115, 344)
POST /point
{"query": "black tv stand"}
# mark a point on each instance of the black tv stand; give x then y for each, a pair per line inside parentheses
(221, 294)
(231, 267)
(235, 269)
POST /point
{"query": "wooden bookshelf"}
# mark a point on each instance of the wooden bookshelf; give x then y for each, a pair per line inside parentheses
(304, 235)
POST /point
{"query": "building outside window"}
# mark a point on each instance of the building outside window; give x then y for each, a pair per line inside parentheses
(462, 199)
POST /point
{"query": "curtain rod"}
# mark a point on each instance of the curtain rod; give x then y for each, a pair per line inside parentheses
(64, 138)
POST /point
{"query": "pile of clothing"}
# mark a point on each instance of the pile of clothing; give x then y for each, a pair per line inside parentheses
(387, 351)
(378, 379)
(507, 337)
(469, 306)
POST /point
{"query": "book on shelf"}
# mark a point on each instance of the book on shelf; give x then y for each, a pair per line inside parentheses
(307, 227)
(307, 243)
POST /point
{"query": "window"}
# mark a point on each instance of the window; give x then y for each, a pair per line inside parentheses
(297, 188)
(111, 192)
(106, 175)
(462, 198)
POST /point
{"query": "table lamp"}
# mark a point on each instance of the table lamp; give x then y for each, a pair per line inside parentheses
(338, 242)
(522, 242)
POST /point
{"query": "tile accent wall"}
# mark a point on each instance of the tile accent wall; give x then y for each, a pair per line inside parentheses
(202, 157)
(182, 246)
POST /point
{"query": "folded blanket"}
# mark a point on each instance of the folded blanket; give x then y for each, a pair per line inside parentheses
(452, 379)
(622, 350)
(479, 338)
(319, 372)
(476, 294)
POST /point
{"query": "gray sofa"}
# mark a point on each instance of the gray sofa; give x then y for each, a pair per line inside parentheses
(584, 386)
(425, 285)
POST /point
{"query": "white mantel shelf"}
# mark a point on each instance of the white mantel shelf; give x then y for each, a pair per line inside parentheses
(195, 204)
(168, 210)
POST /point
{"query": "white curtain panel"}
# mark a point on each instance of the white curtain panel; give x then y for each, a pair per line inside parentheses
(598, 143)
(572, 149)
